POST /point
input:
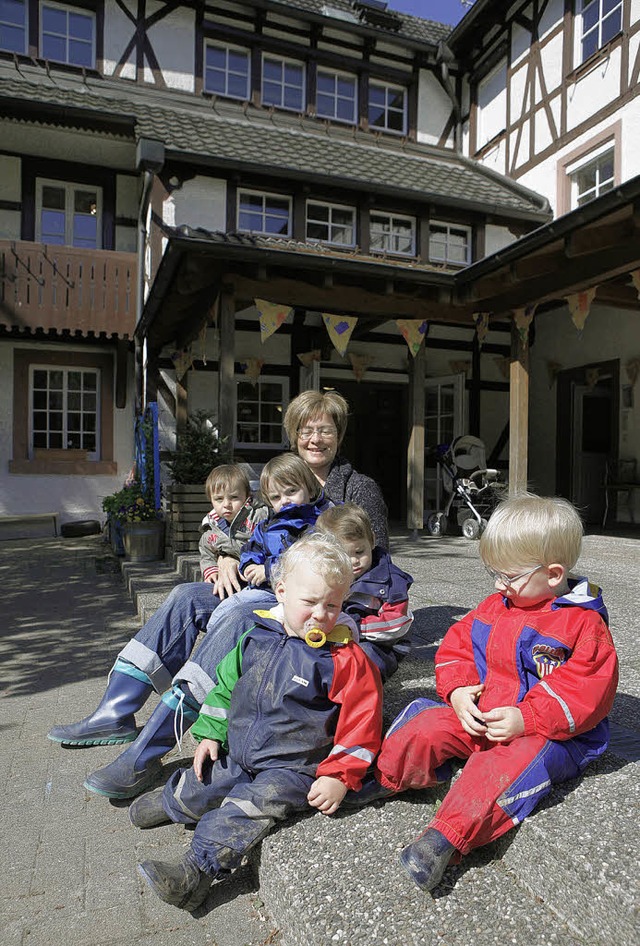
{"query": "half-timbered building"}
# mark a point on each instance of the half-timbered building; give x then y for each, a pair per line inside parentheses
(247, 186)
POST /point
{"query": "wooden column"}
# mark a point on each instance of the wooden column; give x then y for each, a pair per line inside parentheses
(415, 451)
(518, 411)
(226, 370)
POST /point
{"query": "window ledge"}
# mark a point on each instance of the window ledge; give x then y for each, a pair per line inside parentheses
(74, 467)
(594, 60)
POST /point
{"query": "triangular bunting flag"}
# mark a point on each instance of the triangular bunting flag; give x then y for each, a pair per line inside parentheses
(632, 368)
(271, 317)
(339, 328)
(482, 325)
(523, 318)
(553, 370)
(414, 332)
(360, 363)
(635, 279)
(253, 368)
(307, 358)
(580, 305)
(182, 361)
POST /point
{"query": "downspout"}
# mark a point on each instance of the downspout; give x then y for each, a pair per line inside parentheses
(444, 58)
(150, 156)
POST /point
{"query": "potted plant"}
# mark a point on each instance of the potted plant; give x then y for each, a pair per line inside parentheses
(136, 527)
(199, 450)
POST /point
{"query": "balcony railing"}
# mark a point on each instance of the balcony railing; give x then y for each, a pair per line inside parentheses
(62, 288)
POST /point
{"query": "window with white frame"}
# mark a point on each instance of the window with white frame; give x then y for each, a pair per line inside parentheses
(592, 175)
(601, 21)
(388, 107)
(68, 214)
(264, 213)
(67, 35)
(331, 223)
(227, 71)
(449, 243)
(13, 26)
(337, 96)
(283, 83)
(65, 409)
(259, 411)
(492, 104)
(392, 233)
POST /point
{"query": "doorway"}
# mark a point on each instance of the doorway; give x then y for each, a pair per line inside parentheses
(587, 435)
(444, 410)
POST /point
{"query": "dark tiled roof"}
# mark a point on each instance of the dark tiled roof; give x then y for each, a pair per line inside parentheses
(413, 27)
(223, 136)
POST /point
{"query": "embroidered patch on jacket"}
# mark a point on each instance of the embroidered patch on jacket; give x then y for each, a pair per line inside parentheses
(301, 680)
(547, 658)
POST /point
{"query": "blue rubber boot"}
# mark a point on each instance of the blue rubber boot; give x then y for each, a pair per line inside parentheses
(182, 885)
(113, 722)
(426, 859)
(139, 765)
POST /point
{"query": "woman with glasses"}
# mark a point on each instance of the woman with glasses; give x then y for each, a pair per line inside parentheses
(316, 423)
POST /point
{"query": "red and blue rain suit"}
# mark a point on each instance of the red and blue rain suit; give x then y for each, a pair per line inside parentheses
(285, 714)
(557, 663)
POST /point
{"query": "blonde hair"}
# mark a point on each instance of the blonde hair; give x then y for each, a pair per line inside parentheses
(310, 405)
(323, 554)
(532, 530)
(287, 469)
(227, 476)
(348, 522)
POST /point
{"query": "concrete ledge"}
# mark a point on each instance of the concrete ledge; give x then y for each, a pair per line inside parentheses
(29, 525)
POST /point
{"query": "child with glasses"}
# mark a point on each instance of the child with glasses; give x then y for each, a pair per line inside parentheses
(527, 680)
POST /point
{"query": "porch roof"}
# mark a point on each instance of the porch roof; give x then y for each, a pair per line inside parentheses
(596, 245)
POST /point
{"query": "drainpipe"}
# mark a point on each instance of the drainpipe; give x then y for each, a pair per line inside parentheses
(444, 58)
(150, 160)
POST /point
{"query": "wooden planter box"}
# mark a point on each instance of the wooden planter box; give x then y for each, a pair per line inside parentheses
(188, 505)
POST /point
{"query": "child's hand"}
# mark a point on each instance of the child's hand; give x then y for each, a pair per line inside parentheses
(228, 581)
(504, 723)
(326, 793)
(207, 749)
(255, 574)
(463, 700)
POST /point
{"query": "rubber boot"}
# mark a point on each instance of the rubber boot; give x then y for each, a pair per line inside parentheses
(426, 859)
(182, 885)
(113, 722)
(148, 810)
(139, 765)
(371, 790)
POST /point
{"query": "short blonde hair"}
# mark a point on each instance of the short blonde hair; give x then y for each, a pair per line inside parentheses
(308, 406)
(348, 522)
(227, 476)
(323, 554)
(287, 469)
(532, 530)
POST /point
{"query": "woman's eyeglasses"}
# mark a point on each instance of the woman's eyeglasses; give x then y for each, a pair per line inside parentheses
(324, 433)
(509, 580)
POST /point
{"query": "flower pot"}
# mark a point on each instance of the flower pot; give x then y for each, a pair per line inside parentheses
(143, 541)
(115, 535)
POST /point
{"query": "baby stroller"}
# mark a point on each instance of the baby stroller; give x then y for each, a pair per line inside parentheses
(474, 490)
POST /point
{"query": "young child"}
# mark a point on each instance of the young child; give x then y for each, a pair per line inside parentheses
(231, 521)
(528, 678)
(294, 720)
(296, 500)
(378, 599)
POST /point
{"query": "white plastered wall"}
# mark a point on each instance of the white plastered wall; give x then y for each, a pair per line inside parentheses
(73, 497)
(434, 109)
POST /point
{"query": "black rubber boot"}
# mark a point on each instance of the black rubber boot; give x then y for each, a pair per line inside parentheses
(182, 885)
(426, 859)
(148, 811)
(113, 722)
(371, 790)
(139, 765)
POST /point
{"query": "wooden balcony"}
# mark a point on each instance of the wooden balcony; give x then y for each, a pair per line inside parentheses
(64, 289)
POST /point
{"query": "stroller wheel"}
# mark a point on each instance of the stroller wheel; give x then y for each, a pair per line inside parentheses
(483, 525)
(437, 524)
(471, 529)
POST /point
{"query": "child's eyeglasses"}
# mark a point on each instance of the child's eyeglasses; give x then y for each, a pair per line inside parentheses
(509, 580)
(325, 433)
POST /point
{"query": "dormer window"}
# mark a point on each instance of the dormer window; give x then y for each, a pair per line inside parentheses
(283, 83)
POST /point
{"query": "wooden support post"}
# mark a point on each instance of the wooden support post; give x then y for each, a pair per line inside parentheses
(518, 411)
(415, 450)
(226, 373)
(181, 404)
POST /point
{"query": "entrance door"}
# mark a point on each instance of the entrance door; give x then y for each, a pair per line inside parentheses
(587, 434)
(376, 438)
(443, 422)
